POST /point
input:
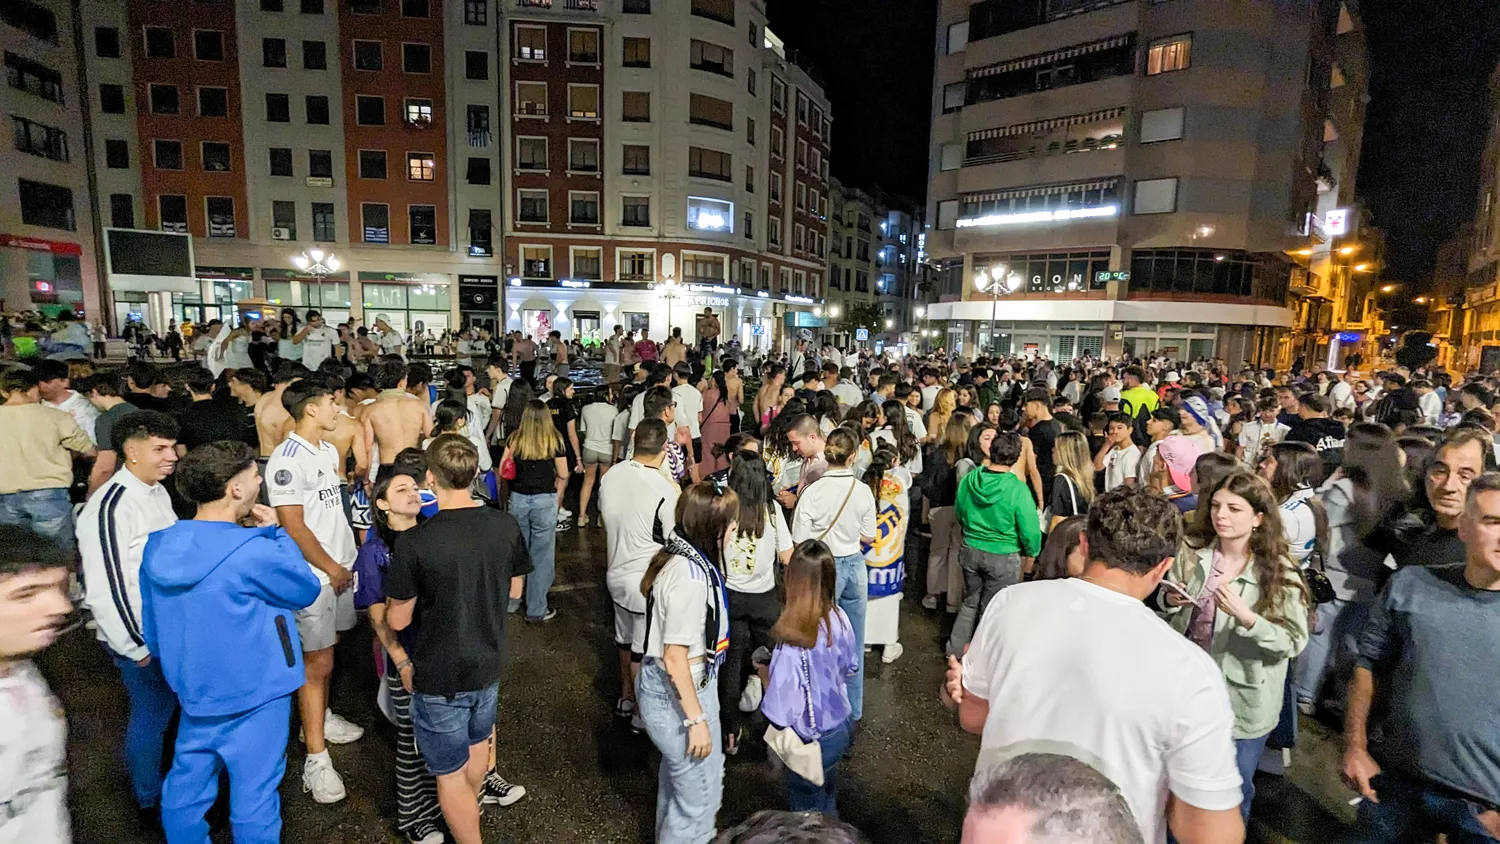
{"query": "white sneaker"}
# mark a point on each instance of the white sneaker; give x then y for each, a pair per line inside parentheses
(319, 778)
(564, 514)
(637, 723)
(892, 652)
(338, 730)
(750, 698)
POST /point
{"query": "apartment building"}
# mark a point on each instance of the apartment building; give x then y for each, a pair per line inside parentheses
(1129, 176)
(871, 260)
(662, 157)
(1480, 339)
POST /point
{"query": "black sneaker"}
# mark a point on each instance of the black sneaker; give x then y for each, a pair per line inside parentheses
(426, 832)
(498, 792)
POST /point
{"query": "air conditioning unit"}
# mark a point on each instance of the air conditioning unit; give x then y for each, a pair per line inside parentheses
(279, 233)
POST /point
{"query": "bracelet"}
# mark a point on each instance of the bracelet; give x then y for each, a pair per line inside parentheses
(693, 722)
(403, 664)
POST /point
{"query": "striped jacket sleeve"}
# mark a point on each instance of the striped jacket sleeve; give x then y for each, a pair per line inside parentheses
(111, 539)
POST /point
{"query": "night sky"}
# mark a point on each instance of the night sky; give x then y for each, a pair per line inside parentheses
(1425, 130)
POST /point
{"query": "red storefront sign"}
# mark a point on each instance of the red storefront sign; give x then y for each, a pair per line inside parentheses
(36, 244)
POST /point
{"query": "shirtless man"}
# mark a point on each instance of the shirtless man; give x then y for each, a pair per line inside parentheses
(394, 421)
(272, 422)
(736, 398)
(523, 354)
(708, 333)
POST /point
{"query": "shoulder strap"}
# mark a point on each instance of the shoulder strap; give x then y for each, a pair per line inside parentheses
(1320, 531)
(836, 516)
(812, 715)
(1072, 494)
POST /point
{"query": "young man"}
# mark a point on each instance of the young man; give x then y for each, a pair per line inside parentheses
(500, 384)
(638, 506)
(212, 590)
(674, 351)
(523, 355)
(33, 734)
(55, 389)
(1431, 651)
(112, 531)
(104, 392)
(317, 340)
(305, 485)
(1043, 433)
(36, 452)
(708, 333)
(147, 389)
(1315, 428)
(1162, 730)
(645, 348)
(1258, 435)
(247, 386)
(687, 392)
(205, 419)
(1428, 402)
(611, 372)
(393, 422)
(449, 577)
(1119, 458)
(807, 440)
(736, 385)
(272, 422)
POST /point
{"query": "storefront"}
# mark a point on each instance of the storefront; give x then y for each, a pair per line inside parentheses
(330, 294)
(408, 301)
(45, 275)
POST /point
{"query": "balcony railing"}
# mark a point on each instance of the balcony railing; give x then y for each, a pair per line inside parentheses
(573, 5)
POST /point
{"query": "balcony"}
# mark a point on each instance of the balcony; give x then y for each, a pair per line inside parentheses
(571, 5)
(990, 18)
(1077, 65)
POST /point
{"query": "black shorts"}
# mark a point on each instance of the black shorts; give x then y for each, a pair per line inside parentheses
(697, 449)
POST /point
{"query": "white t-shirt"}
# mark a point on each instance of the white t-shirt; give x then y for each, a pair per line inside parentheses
(389, 342)
(1119, 464)
(1074, 668)
(622, 428)
(750, 561)
(818, 505)
(847, 394)
(1300, 525)
(612, 351)
(679, 613)
(479, 416)
(689, 405)
(929, 396)
(317, 346)
(632, 497)
(1255, 433)
(33, 760)
(597, 424)
(81, 409)
(300, 473)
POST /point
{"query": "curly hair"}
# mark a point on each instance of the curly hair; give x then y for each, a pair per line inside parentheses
(1270, 556)
(1132, 529)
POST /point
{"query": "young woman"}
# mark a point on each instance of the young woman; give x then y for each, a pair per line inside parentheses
(977, 453)
(826, 408)
(942, 410)
(685, 637)
(1294, 471)
(1073, 487)
(521, 394)
(806, 686)
(895, 433)
(1199, 424)
(967, 396)
(536, 492)
(597, 425)
(939, 482)
(993, 412)
(864, 419)
(782, 460)
(890, 483)
(713, 423)
(778, 402)
(452, 417)
(761, 541)
(1248, 608)
(1062, 554)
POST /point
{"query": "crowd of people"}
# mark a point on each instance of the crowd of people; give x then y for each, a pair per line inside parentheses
(1152, 569)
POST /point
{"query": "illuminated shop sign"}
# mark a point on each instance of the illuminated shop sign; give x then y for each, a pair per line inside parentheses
(1058, 215)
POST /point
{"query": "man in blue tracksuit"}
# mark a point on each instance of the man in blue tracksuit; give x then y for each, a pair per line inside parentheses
(217, 610)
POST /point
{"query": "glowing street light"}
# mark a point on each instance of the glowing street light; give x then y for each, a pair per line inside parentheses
(998, 281)
(317, 262)
(1348, 250)
(1388, 288)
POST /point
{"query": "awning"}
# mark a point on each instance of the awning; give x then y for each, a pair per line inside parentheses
(1038, 126)
(1048, 58)
(1039, 190)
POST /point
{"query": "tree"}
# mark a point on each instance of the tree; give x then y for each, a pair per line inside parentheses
(866, 315)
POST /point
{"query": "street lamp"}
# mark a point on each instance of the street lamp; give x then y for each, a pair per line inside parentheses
(668, 290)
(317, 262)
(999, 280)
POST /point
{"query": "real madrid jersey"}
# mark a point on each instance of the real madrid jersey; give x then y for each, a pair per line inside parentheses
(300, 473)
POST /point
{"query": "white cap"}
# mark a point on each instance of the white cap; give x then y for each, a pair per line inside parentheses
(1172, 377)
(1110, 394)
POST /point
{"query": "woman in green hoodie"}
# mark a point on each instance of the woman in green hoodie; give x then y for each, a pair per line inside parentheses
(1000, 526)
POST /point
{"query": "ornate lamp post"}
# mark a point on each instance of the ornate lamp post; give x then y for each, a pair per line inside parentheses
(999, 281)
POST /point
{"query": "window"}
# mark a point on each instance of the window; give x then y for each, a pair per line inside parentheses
(167, 155)
(583, 207)
(750, 130)
(46, 205)
(112, 99)
(749, 227)
(636, 265)
(583, 46)
(284, 216)
(481, 232)
(478, 171)
(220, 216)
(583, 155)
(421, 221)
(717, 10)
(421, 166)
(749, 179)
(312, 7)
(583, 102)
(278, 108)
(477, 12)
(281, 161)
(369, 111)
(778, 94)
(773, 233)
(635, 7)
(273, 52)
(799, 236)
(163, 99)
(801, 109)
(477, 124)
(801, 154)
(271, 6)
(172, 212)
(786, 279)
(314, 55)
(531, 43)
(375, 218)
(1163, 124)
(40, 140)
(368, 55)
(531, 153)
(710, 215)
(531, 206)
(709, 164)
(216, 157)
(213, 102)
(958, 36)
(106, 42)
(635, 211)
(765, 276)
(775, 188)
(635, 106)
(750, 80)
(372, 164)
(947, 213)
(419, 112)
(476, 64)
(364, 7)
(531, 99)
(1155, 196)
(416, 58)
(637, 160)
(536, 261)
(801, 194)
(637, 52)
(1168, 54)
(323, 224)
(116, 153)
(414, 9)
(122, 210)
(208, 45)
(953, 97)
(710, 111)
(712, 58)
(320, 163)
(159, 43)
(31, 18)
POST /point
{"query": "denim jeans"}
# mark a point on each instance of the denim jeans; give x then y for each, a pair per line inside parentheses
(803, 796)
(46, 511)
(985, 574)
(852, 592)
(1247, 753)
(1322, 669)
(688, 790)
(1411, 810)
(538, 517)
(152, 705)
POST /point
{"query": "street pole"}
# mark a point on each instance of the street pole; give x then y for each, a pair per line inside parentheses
(994, 306)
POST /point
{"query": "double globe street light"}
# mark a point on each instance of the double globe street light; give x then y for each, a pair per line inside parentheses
(317, 262)
(998, 281)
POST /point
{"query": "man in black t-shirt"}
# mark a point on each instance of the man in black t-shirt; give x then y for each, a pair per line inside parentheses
(450, 577)
(1043, 434)
(206, 419)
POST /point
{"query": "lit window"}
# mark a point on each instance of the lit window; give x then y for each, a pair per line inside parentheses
(711, 215)
(587, 262)
(1169, 54)
(1155, 196)
(420, 166)
(583, 102)
(531, 43)
(536, 261)
(531, 99)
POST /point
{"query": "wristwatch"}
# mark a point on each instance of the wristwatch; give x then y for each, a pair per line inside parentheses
(693, 722)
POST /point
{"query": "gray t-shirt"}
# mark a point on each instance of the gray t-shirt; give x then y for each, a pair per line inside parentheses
(1433, 642)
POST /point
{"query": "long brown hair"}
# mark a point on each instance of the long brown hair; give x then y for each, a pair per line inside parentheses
(810, 579)
(1071, 454)
(1270, 556)
(703, 515)
(955, 439)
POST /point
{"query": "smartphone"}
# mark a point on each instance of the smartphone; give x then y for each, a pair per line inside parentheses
(1179, 589)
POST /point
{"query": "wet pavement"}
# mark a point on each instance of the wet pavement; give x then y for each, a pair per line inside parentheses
(588, 779)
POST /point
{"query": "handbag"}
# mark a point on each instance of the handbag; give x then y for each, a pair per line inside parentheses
(1318, 584)
(508, 469)
(803, 758)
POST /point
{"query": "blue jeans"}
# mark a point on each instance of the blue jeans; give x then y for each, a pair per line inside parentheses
(538, 517)
(688, 790)
(1410, 810)
(852, 592)
(446, 726)
(251, 747)
(46, 511)
(1247, 752)
(152, 705)
(803, 796)
(1329, 655)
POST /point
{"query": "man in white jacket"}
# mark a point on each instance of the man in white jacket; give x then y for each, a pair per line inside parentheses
(112, 532)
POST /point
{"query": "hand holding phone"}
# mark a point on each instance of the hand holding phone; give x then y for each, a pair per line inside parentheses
(1176, 594)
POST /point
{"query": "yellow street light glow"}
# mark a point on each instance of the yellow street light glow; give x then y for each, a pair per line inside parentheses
(1420, 300)
(1359, 268)
(1389, 288)
(1348, 250)
(1303, 252)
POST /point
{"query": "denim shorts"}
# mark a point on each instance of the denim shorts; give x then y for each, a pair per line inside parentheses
(446, 727)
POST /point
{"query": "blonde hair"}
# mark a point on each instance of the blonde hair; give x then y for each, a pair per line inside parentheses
(1071, 456)
(536, 438)
(942, 410)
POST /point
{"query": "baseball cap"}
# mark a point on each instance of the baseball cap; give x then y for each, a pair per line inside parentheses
(1109, 394)
(1180, 454)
